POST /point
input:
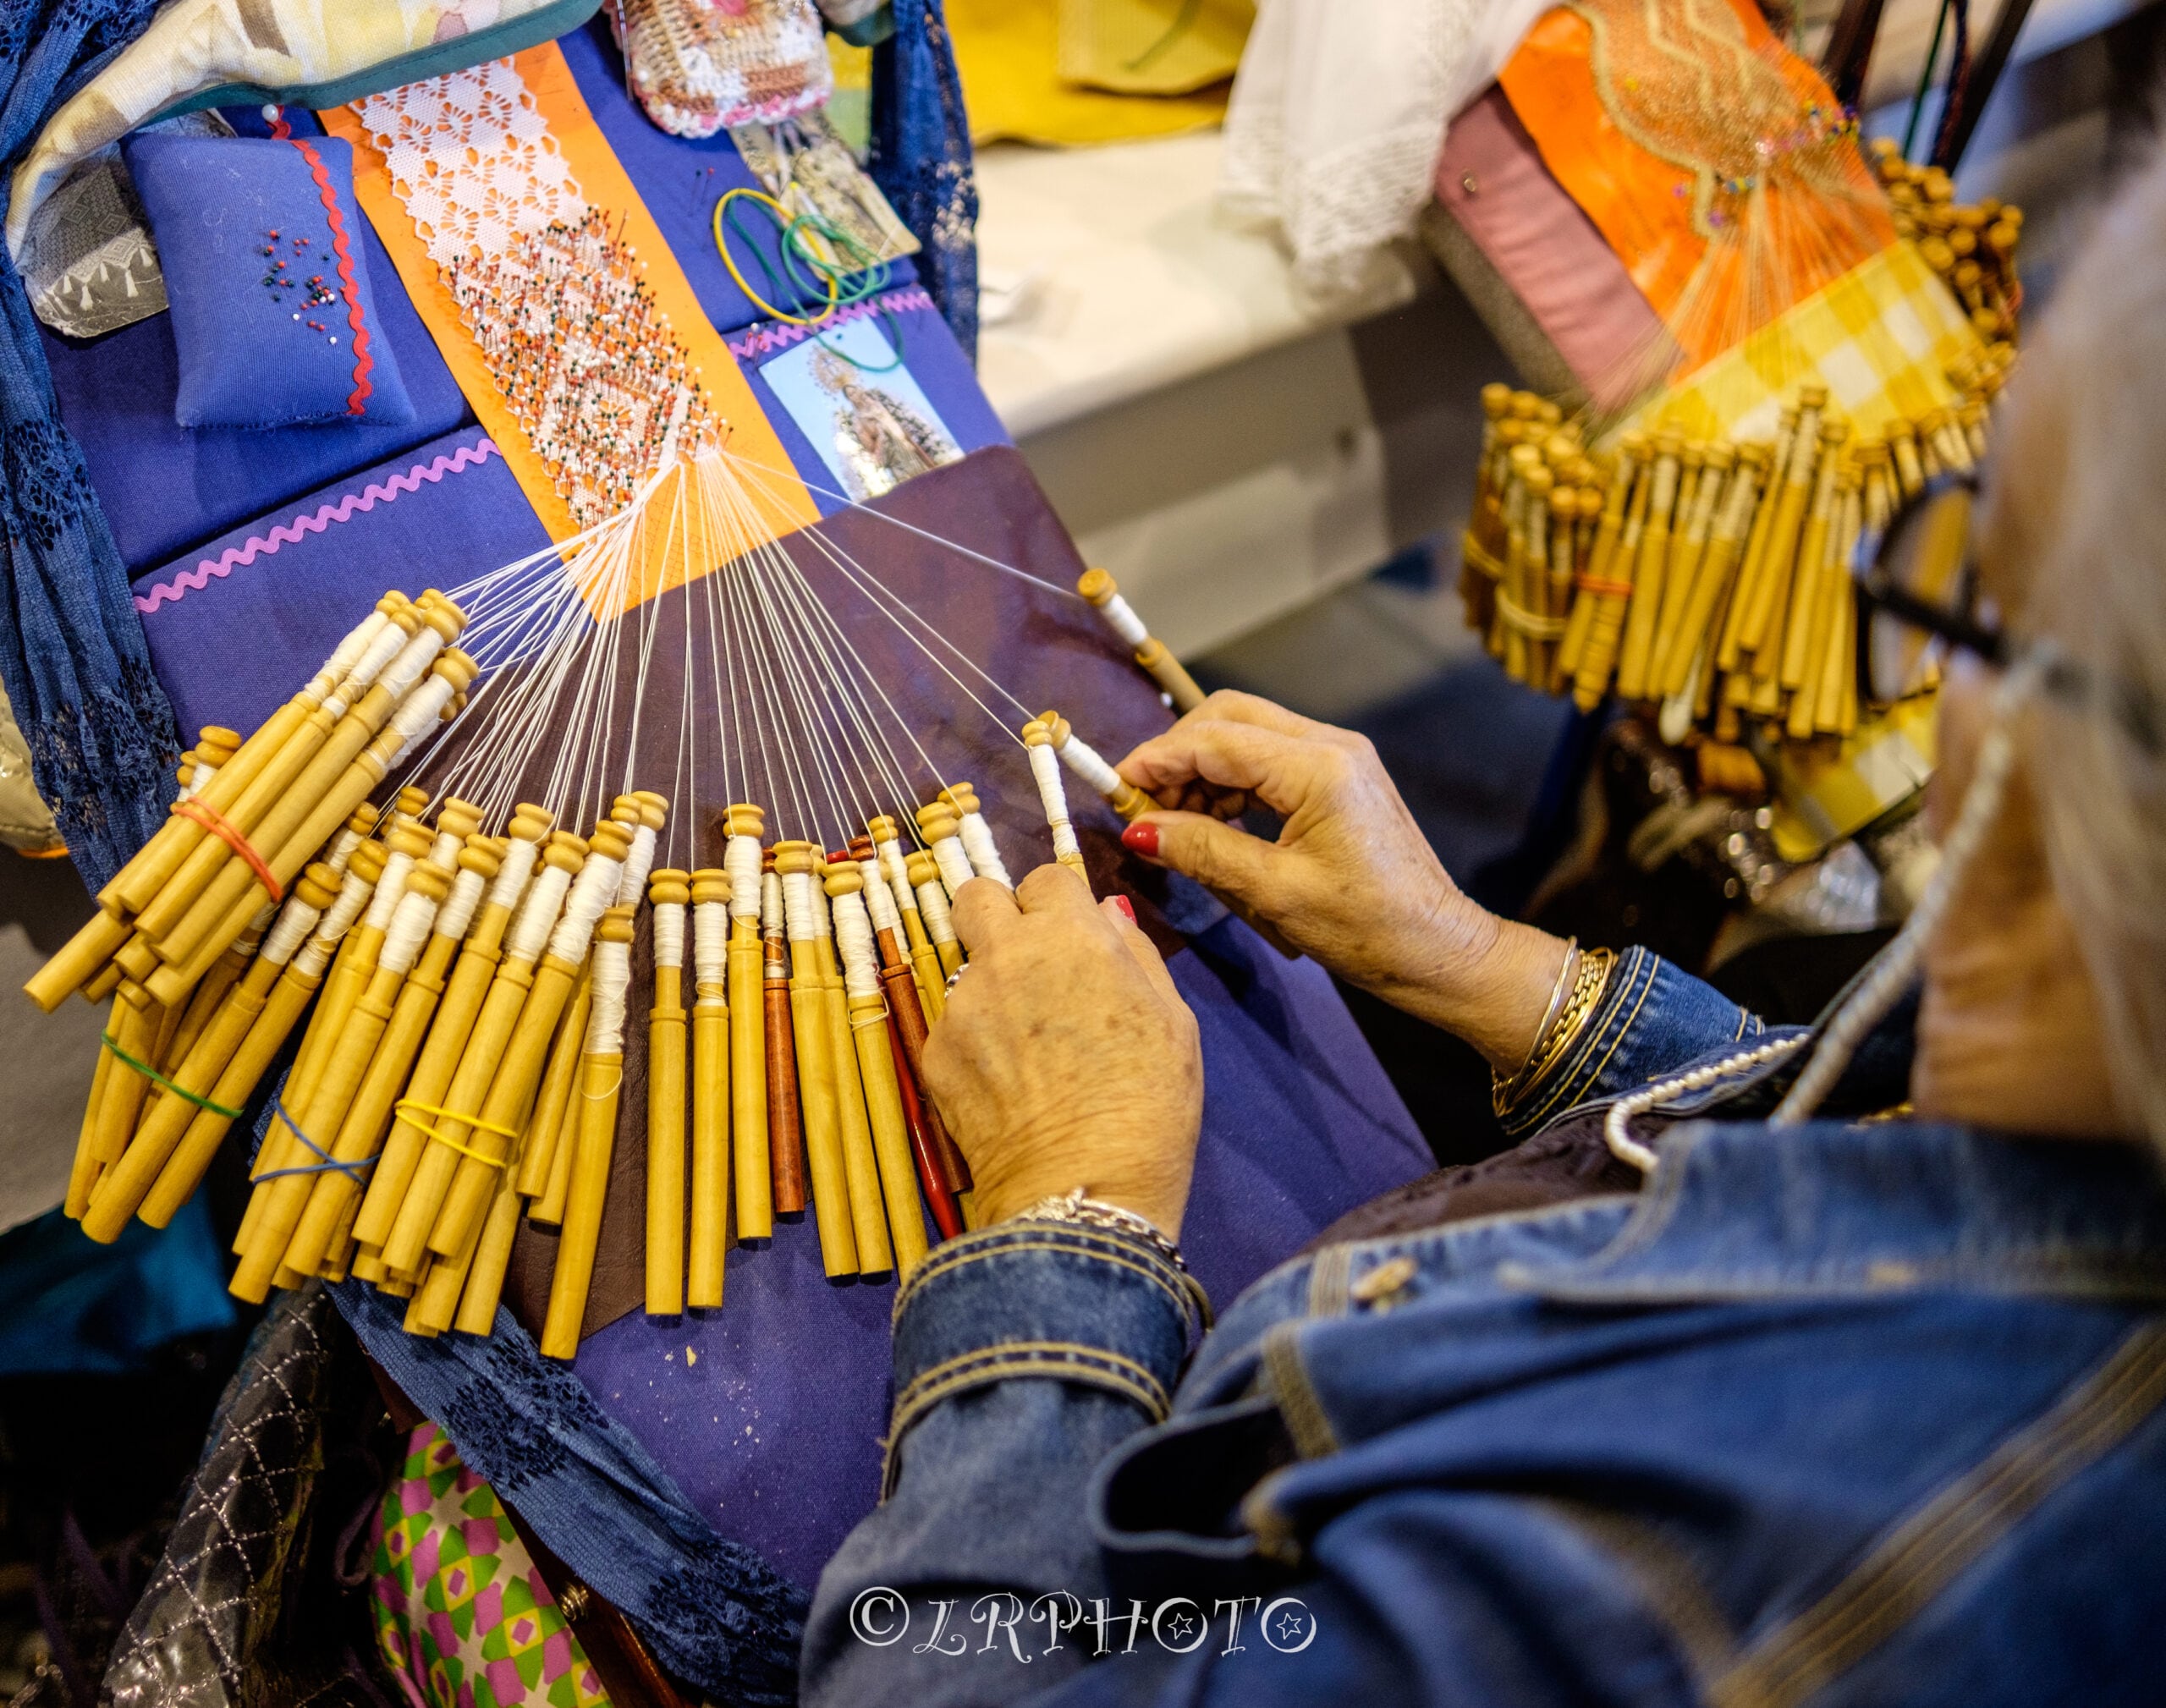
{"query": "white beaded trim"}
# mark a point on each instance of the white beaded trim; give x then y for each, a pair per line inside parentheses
(1615, 1127)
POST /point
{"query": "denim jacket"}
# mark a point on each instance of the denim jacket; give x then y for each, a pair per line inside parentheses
(1866, 1410)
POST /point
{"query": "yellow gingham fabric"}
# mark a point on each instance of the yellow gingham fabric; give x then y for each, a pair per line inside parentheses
(1880, 339)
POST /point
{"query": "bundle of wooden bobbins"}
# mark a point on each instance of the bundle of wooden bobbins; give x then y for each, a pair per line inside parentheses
(1970, 245)
(1710, 580)
(463, 1065)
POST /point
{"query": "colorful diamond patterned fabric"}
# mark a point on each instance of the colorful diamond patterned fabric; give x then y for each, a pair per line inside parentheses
(463, 1619)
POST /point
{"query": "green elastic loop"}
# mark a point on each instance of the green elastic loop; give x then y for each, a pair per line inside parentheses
(165, 1085)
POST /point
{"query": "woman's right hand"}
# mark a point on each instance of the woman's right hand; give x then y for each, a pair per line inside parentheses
(1351, 881)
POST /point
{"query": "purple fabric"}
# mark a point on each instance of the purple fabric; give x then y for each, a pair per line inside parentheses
(256, 275)
(769, 1414)
(1492, 179)
(773, 1432)
(165, 488)
(237, 625)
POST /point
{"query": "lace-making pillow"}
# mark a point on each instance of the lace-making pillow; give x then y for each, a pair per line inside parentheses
(261, 245)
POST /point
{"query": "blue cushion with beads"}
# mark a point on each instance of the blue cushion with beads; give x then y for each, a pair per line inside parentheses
(262, 246)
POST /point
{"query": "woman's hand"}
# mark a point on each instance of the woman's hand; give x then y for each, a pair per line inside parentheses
(1351, 881)
(1066, 1057)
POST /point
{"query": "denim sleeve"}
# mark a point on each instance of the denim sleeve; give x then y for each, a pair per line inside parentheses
(1651, 1019)
(1024, 1354)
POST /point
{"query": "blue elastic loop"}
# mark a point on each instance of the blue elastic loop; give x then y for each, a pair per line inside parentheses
(352, 1171)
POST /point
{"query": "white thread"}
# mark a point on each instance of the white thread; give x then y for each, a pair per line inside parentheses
(347, 654)
(797, 902)
(955, 866)
(632, 886)
(390, 891)
(878, 902)
(537, 915)
(823, 925)
(412, 663)
(1086, 761)
(894, 872)
(261, 923)
(352, 900)
(444, 853)
(854, 936)
(1120, 618)
(418, 713)
(1054, 796)
(669, 934)
(387, 645)
(589, 900)
(296, 919)
(519, 859)
(710, 945)
(410, 933)
(342, 850)
(932, 909)
(460, 907)
(612, 983)
(740, 858)
(774, 922)
(199, 774)
(979, 848)
(315, 955)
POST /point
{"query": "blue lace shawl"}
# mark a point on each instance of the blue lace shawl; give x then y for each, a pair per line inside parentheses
(72, 654)
(921, 159)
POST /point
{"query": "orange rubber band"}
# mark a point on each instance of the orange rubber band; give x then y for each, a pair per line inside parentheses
(219, 826)
(1587, 583)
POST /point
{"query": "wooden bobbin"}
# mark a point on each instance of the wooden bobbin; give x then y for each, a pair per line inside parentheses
(665, 1114)
(601, 1080)
(886, 836)
(710, 1027)
(839, 876)
(290, 994)
(1099, 589)
(524, 1059)
(941, 830)
(748, 1054)
(321, 1110)
(225, 906)
(785, 1103)
(276, 803)
(450, 1029)
(145, 875)
(911, 1027)
(932, 909)
(544, 1173)
(335, 1201)
(466, 1092)
(816, 1075)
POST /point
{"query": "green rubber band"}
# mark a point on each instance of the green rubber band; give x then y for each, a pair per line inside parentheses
(165, 1085)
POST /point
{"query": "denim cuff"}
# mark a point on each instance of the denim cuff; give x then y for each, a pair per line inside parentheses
(1078, 1305)
(1651, 1019)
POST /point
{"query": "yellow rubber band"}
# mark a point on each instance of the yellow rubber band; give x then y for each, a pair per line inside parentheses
(834, 285)
(437, 1137)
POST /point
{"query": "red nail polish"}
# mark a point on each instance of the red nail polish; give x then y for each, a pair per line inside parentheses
(1142, 837)
(1126, 906)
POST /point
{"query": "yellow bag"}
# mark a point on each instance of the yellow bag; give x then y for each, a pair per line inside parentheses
(1153, 47)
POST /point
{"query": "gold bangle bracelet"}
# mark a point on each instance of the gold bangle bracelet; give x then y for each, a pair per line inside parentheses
(1592, 980)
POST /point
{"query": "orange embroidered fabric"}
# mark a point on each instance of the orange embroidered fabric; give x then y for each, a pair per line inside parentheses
(1712, 160)
(558, 307)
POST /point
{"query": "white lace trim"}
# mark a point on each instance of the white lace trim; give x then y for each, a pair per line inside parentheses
(471, 158)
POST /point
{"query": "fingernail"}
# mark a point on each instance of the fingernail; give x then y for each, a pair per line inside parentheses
(1141, 838)
(1126, 906)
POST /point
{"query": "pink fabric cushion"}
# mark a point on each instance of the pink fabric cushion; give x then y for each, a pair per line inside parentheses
(1492, 179)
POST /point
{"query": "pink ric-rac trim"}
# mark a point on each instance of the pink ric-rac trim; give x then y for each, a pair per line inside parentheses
(300, 527)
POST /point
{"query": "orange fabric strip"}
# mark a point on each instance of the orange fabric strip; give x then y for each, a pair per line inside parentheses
(680, 546)
(1643, 204)
(220, 826)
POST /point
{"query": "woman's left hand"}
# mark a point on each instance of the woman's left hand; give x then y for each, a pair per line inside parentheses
(1066, 1057)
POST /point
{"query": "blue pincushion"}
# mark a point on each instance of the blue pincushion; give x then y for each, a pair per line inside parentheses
(262, 246)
